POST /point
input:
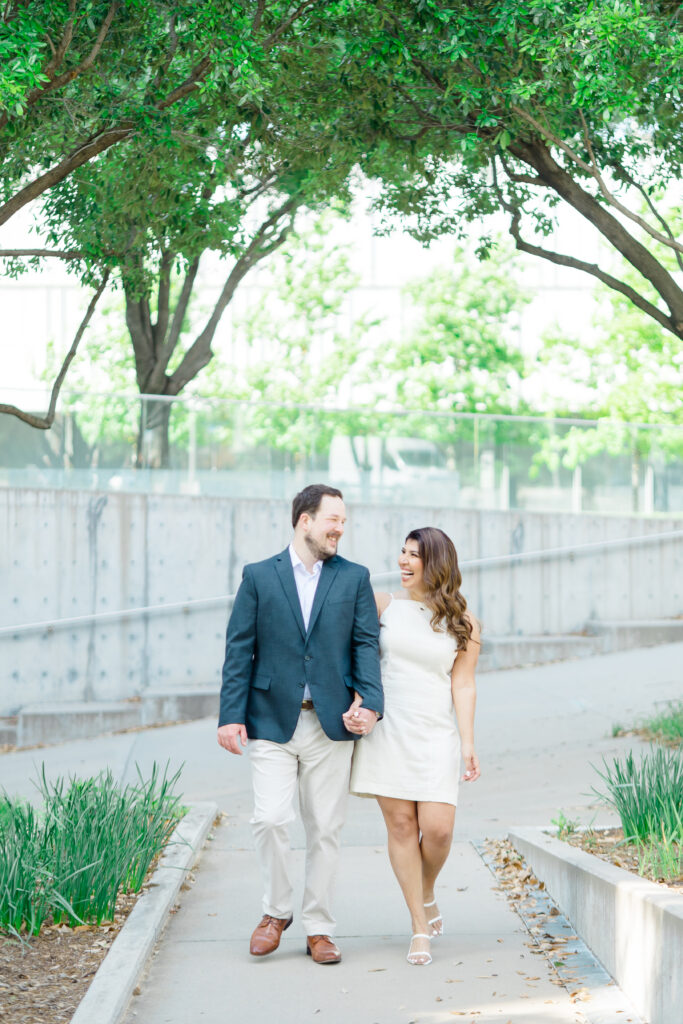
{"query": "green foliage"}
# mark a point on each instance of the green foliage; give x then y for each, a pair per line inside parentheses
(565, 826)
(667, 725)
(67, 81)
(661, 858)
(310, 351)
(105, 365)
(224, 171)
(91, 840)
(647, 794)
(626, 372)
(524, 109)
(460, 355)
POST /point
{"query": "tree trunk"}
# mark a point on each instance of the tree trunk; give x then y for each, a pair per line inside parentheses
(635, 479)
(153, 445)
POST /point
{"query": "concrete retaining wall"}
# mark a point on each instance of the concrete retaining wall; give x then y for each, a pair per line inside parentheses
(634, 927)
(67, 554)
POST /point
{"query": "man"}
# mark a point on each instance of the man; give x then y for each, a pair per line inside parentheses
(301, 650)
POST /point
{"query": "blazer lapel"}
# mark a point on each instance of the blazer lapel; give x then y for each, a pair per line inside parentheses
(327, 573)
(283, 565)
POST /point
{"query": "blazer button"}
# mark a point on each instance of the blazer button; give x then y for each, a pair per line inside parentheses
(307, 657)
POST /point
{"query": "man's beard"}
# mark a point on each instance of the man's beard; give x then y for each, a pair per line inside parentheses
(321, 555)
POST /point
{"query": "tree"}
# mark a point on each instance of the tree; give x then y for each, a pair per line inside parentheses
(80, 78)
(628, 375)
(312, 349)
(459, 356)
(225, 173)
(526, 109)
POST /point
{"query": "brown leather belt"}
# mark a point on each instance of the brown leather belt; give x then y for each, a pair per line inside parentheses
(307, 705)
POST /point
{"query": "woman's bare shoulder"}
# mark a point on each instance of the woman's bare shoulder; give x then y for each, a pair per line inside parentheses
(383, 600)
(474, 623)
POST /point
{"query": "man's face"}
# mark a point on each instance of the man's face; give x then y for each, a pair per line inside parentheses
(323, 531)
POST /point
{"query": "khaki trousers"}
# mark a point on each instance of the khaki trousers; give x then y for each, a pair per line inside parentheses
(319, 768)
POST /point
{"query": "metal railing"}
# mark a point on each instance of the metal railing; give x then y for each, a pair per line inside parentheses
(185, 607)
(155, 444)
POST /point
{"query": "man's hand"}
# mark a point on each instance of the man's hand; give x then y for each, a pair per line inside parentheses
(358, 719)
(230, 737)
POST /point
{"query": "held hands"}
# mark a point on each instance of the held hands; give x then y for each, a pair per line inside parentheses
(230, 737)
(359, 720)
(472, 770)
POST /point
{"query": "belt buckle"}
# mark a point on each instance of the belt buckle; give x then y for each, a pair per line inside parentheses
(307, 704)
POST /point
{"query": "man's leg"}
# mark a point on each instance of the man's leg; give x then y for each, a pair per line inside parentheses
(274, 769)
(324, 767)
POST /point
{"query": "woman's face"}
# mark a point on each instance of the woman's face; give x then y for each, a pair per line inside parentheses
(412, 568)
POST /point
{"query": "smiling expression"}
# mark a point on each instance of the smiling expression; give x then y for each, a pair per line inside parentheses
(323, 531)
(412, 569)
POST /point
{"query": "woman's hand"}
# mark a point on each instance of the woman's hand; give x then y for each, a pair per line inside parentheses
(359, 720)
(472, 770)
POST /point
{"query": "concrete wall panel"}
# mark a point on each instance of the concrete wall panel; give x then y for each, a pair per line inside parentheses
(67, 553)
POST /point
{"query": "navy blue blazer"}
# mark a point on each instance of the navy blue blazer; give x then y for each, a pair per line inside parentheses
(270, 656)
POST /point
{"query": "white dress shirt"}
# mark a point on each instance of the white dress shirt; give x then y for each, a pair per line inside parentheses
(306, 586)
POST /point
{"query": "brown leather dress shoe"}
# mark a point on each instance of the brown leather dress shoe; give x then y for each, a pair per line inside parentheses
(267, 935)
(322, 949)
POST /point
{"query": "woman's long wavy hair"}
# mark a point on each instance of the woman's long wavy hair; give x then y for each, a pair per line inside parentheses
(442, 579)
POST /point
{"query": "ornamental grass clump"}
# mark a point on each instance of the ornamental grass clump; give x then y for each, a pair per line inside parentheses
(25, 889)
(667, 725)
(92, 840)
(647, 794)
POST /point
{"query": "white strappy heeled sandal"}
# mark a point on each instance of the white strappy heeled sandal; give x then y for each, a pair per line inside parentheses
(419, 958)
(436, 923)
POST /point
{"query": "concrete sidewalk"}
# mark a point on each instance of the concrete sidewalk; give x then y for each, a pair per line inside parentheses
(538, 729)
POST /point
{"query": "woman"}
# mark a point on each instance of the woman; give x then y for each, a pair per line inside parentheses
(429, 644)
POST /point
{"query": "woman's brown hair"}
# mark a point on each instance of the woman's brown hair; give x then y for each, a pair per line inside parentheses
(442, 579)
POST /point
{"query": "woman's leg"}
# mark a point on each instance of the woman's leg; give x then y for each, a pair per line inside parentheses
(435, 821)
(400, 817)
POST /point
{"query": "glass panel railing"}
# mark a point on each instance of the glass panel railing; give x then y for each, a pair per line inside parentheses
(260, 450)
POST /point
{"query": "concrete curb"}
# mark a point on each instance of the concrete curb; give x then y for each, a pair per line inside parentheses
(107, 999)
(633, 926)
(575, 965)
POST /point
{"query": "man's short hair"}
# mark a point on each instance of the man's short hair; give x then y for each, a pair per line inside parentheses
(309, 500)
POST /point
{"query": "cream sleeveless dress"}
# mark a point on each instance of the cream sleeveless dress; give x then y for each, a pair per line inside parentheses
(414, 752)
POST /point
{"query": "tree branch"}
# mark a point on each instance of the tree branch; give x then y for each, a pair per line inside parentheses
(68, 76)
(587, 268)
(258, 17)
(45, 422)
(163, 298)
(535, 153)
(187, 87)
(59, 51)
(61, 254)
(545, 133)
(427, 73)
(95, 145)
(173, 49)
(521, 179)
(199, 354)
(655, 212)
(284, 25)
(180, 311)
(613, 201)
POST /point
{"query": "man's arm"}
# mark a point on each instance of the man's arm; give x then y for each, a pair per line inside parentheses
(365, 659)
(240, 644)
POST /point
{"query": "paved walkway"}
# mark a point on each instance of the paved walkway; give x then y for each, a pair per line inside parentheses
(538, 730)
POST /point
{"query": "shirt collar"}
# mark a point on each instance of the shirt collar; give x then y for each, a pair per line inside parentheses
(296, 563)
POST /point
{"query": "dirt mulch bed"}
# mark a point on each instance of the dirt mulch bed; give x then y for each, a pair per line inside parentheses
(44, 978)
(605, 844)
